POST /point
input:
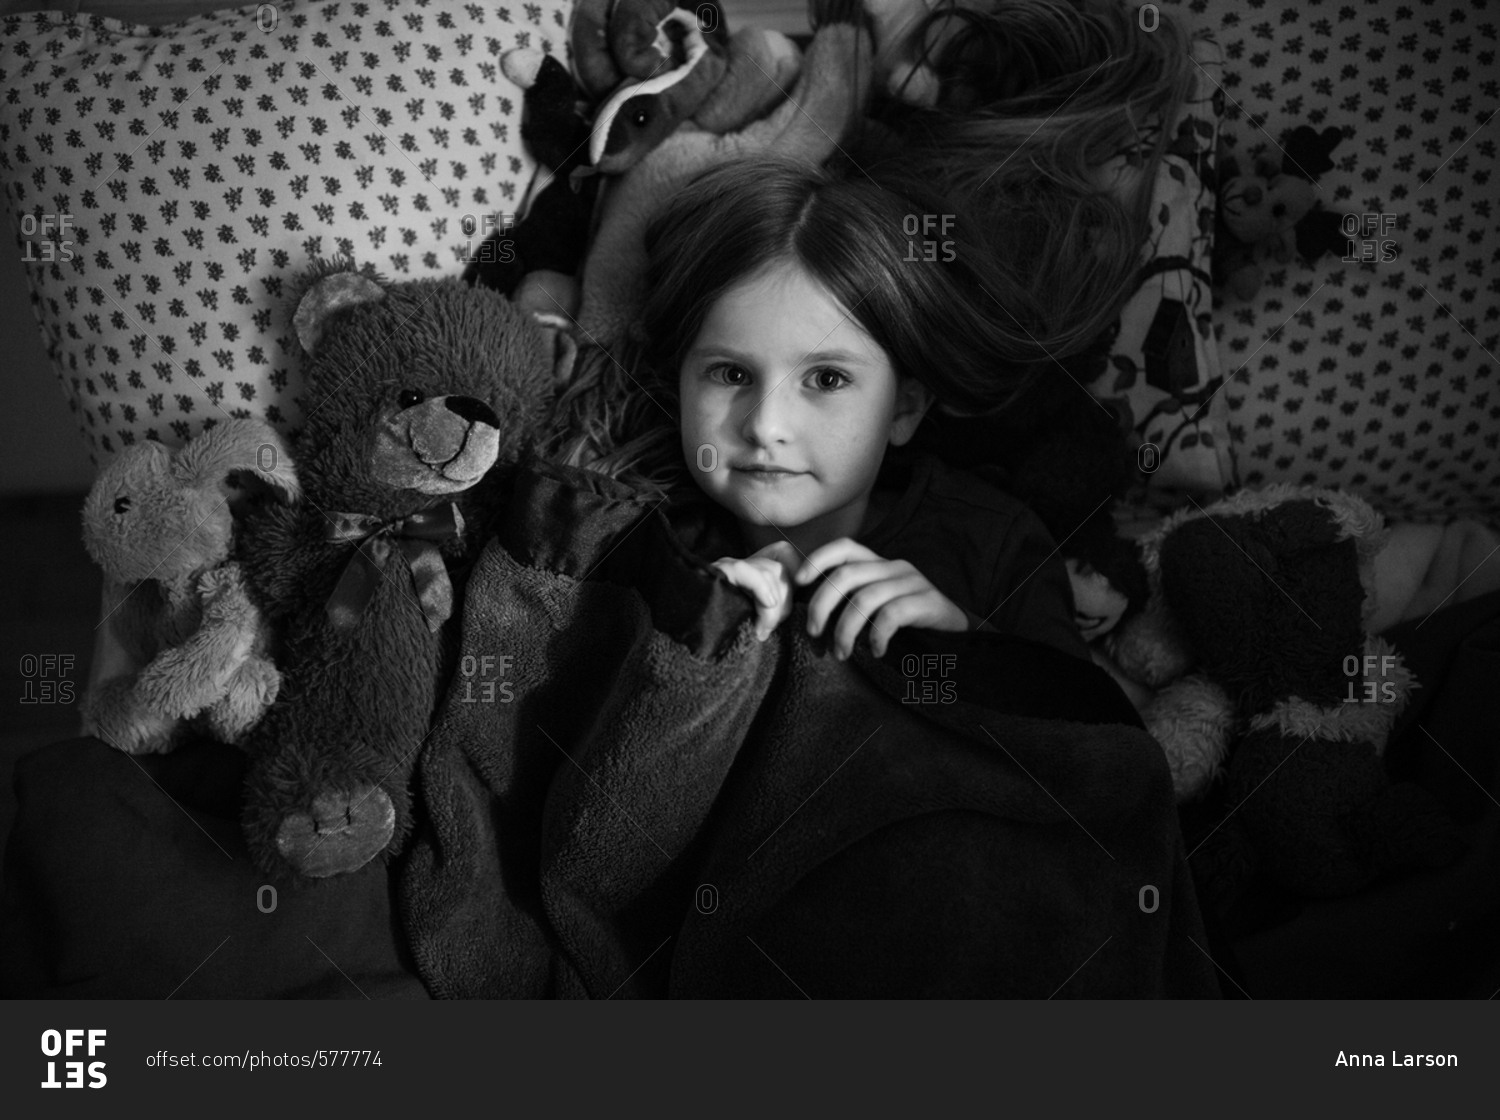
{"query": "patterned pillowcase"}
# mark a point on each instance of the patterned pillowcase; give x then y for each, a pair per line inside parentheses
(169, 183)
(1376, 373)
(1162, 372)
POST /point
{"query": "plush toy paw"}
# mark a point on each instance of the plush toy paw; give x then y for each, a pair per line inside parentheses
(1150, 646)
(113, 712)
(317, 806)
(1193, 720)
(253, 690)
(340, 832)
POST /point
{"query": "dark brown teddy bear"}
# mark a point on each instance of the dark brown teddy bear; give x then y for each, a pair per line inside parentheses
(418, 395)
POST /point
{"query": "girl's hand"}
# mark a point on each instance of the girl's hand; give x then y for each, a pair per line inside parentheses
(886, 594)
(766, 574)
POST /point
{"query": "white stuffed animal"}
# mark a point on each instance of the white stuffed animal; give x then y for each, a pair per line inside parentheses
(161, 525)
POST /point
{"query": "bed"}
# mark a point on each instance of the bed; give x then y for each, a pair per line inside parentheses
(1378, 377)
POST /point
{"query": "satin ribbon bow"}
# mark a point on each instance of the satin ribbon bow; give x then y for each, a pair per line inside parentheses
(416, 537)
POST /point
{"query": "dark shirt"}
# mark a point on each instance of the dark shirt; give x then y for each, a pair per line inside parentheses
(979, 546)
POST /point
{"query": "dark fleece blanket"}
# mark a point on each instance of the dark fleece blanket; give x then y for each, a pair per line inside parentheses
(625, 794)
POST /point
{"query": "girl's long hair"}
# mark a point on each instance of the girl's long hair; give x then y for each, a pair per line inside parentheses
(981, 243)
(1051, 120)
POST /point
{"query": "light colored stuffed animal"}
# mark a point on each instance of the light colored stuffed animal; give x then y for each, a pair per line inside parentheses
(161, 525)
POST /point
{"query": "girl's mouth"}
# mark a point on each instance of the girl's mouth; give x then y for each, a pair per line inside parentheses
(766, 474)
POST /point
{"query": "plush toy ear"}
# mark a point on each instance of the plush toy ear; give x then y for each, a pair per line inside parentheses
(330, 294)
(1322, 231)
(1308, 152)
(242, 459)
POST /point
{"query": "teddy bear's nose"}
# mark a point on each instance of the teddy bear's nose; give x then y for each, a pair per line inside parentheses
(1252, 196)
(474, 411)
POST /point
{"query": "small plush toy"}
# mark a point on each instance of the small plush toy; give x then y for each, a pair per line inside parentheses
(830, 91)
(536, 261)
(653, 66)
(1259, 663)
(418, 396)
(161, 525)
(1274, 214)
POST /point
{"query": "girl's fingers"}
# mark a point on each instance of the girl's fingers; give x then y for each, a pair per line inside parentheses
(781, 597)
(840, 583)
(775, 613)
(766, 581)
(827, 557)
(872, 606)
(784, 553)
(772, 595)
(922, 606)
(845, 582)
(904, 610)
(866, 590)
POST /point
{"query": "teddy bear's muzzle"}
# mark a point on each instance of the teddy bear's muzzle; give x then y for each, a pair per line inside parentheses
(440, 446)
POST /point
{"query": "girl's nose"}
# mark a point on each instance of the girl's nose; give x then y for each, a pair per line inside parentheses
(768, 419)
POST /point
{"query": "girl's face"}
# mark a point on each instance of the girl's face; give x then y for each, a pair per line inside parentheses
(788, 407)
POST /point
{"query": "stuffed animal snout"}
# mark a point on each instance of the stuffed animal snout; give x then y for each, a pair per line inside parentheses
(437, 446)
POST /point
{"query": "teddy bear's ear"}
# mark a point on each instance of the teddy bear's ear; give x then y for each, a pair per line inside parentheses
(332, 293)
(242, 459)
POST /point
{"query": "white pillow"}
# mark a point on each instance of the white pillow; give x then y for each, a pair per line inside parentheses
(168, 183)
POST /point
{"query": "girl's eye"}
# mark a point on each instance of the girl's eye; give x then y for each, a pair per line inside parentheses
(830, 379)
(729, 375)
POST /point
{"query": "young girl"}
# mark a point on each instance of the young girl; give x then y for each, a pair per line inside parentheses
(800, 323)
(792, 341)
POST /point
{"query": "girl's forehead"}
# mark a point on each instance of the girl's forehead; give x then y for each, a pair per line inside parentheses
(783, 304)
(783, 278)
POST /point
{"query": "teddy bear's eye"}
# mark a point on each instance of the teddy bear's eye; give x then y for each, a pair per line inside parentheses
(409, 397)
(639, 118)
(122, 504)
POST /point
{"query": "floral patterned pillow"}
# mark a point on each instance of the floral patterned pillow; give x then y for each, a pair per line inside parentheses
(1162, 371)
(168, 183)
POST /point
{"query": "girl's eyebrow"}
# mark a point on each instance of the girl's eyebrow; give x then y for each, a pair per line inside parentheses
(848, 357)
(719, 352)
